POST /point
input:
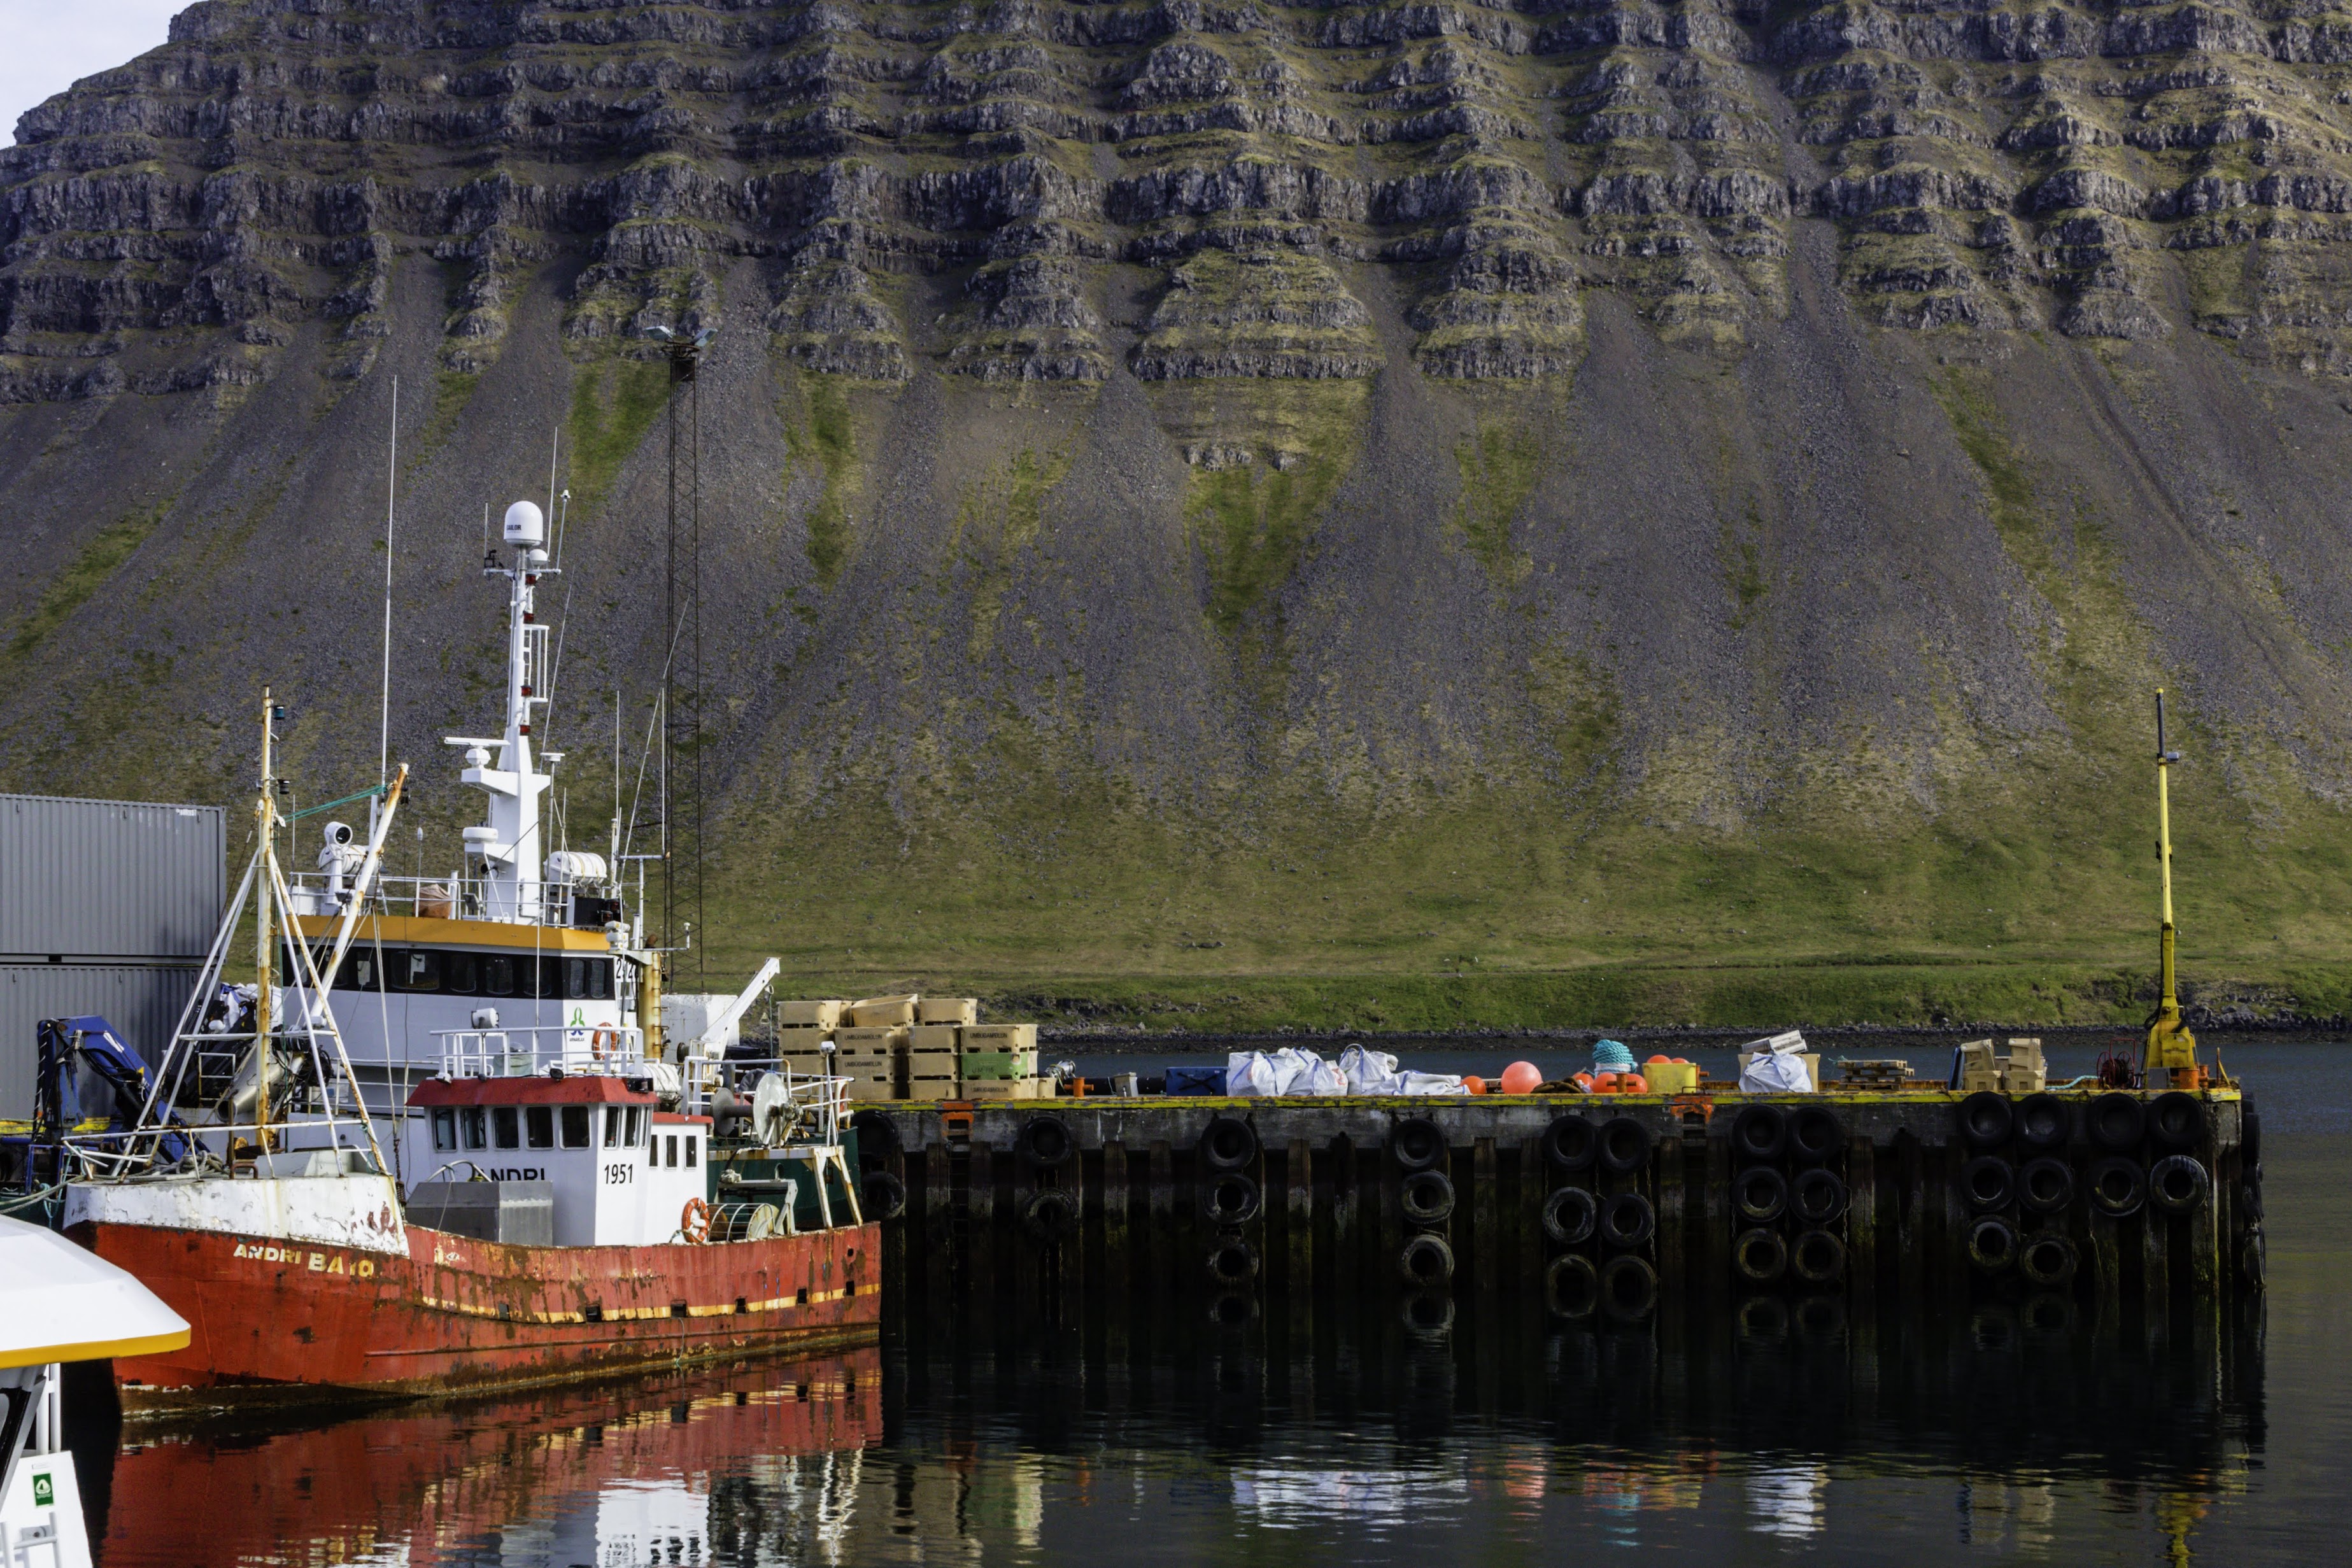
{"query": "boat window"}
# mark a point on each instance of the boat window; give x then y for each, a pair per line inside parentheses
(444, 1129)
(498, 976)
(692, 1143)
(575, 1126)
(418, 969)
(600, 979)
(360, 972)
(672, 1141)
(504, 1131)
(612, 1127)
(539, 1126)
(575, 978)
(469, 1122)
(636, 1126)
(461, 974)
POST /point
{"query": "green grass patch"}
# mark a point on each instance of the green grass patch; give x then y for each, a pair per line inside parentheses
(97, 562)
(614, 402)
(820, 433)
(1498, 464)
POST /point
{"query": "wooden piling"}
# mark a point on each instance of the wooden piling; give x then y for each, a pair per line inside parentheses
(1486, 1221)
(1862, 1225)
(1299, 1240)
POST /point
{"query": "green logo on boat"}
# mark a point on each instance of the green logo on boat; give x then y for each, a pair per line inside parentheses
(44, 1491)
(579, 1017)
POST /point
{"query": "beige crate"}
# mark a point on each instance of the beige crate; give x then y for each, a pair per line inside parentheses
(1000, 1036)
(947, 1009)
(932, 1089)
(883, 1012)
(1006, 1089)
(796, 1040)
(1975, 1079)
(809, 1064)
(868, 1091)
(810, 1015)
(864, 1041)
(933, 1037)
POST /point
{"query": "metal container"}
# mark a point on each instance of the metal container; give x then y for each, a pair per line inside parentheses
(108, 879)
(141, 1001)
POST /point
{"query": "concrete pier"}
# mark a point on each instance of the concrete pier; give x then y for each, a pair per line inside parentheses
(1609, 1209)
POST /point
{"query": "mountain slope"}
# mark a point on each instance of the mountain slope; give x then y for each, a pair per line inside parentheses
(1197, 491)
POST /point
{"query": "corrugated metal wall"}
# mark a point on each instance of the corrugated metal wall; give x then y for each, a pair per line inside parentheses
(141, 1001)
(108, 879)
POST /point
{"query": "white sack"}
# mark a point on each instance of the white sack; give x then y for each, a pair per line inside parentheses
(1775, 1073)
(1369, 1071)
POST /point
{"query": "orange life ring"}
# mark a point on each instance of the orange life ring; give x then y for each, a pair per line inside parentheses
(603, 1042)
(695, 1222)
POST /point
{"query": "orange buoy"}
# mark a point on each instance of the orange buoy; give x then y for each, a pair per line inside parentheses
(1473, 1082)
(1522, 1078)
(1632, 1083)
(1604, 1083)
(1583, 1081)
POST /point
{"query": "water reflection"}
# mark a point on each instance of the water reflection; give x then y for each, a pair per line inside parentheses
(1373, 1433)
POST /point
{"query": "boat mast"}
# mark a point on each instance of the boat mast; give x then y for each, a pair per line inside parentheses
(264, 826)
(510, 846)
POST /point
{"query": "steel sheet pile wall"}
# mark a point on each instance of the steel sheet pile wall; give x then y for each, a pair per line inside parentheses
(1630, 1212)
(106, 907)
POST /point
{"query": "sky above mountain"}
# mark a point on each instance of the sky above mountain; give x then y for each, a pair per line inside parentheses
(51, 45)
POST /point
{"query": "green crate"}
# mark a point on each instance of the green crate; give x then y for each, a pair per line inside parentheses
(990, 1064)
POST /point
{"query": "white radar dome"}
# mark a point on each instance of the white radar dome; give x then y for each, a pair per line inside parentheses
(526, 525)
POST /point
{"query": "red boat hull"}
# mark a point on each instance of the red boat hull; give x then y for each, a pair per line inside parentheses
(290, 1320)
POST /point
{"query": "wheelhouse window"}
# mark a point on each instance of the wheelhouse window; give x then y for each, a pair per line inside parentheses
(612, 1127)
(470, 1121)
(539, 1126)
(461, 974)
(575, 1126)
(588, 979)
(363, 971)
(444, 1129)
(636, 1125)
(418, 969)
(671, 1139)
(498, 975)
(505, 1130)
(693, 1143)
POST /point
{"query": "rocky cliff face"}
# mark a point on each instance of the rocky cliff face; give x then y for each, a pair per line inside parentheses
(1288, 430)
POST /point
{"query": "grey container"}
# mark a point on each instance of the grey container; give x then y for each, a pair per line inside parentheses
(142, 1001)
(518, 1213)
(109, 879)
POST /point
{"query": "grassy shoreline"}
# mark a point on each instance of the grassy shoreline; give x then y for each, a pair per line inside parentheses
(1630, 998)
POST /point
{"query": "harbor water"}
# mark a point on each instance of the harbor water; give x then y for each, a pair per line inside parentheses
(1975, 1438)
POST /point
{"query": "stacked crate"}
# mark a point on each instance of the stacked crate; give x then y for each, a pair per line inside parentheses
(872, 1048)
(932, 1062)
(804, 1030)
(2021, 1072)
(999, 1062)
(911, 1048)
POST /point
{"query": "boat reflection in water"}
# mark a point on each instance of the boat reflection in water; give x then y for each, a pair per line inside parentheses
(613, 1476)
(1164, 1436)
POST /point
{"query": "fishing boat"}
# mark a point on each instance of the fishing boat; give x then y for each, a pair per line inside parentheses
(549, 1204)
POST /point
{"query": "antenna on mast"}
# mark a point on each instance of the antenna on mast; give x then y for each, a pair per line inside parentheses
(384, 709)
(682, 724)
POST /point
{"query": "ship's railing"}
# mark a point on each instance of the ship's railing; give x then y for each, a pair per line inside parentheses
(333, 1142)
(529, 1051)
(457, 897)
(814, 1108)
